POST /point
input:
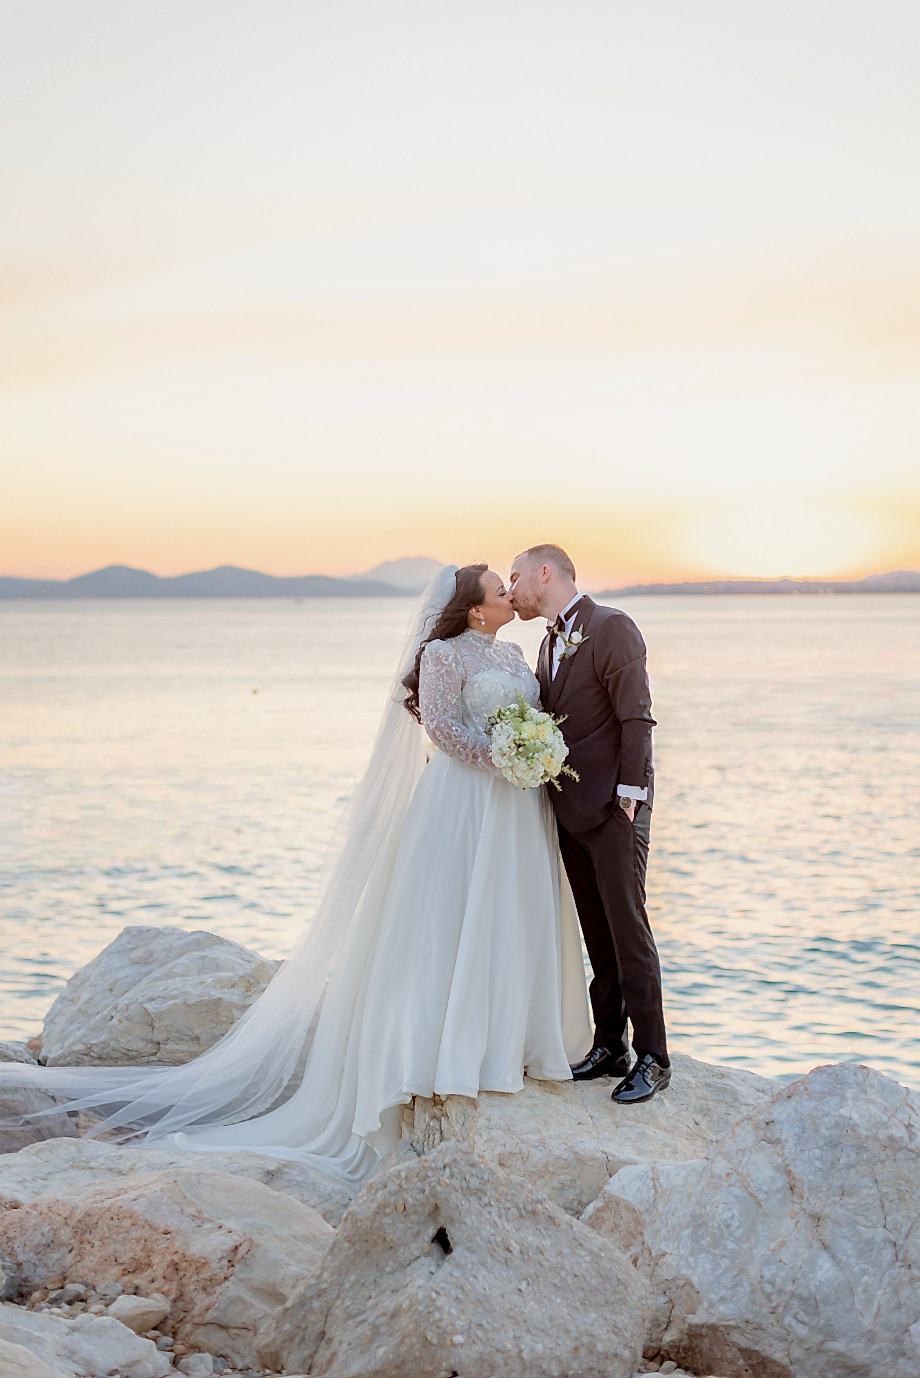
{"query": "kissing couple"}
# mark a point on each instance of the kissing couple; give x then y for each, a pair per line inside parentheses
(445, 955)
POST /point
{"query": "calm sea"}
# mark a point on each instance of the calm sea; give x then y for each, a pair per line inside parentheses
(183, 763)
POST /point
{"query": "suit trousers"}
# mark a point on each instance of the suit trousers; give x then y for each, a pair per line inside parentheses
(606, 867)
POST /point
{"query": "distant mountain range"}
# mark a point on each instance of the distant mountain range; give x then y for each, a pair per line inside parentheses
(898, 581)
(392, 579)
(410, 574)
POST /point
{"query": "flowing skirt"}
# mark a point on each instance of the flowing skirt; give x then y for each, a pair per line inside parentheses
(472, 977)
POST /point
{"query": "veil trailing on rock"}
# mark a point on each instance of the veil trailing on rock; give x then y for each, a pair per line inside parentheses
(259, 1063)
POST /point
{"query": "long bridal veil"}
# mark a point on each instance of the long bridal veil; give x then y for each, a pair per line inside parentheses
(259, 1063)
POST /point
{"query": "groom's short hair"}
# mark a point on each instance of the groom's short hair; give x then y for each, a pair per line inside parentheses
(552, 555)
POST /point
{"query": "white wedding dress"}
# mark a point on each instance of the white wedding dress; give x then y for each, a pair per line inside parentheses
(455, 966)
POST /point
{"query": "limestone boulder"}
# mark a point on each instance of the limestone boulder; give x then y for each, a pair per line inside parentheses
(139, 1314)
(68, 1167)
(792, 1249)
(567, 1138)
(62, 1347)
(450, 1265)
(222, 1250)
(153, 995)
(17, 1101)
(16, 1362)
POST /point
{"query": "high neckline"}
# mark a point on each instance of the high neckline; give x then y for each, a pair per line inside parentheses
(474, 631)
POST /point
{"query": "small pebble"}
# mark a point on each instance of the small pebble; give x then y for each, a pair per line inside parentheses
(669, 1366)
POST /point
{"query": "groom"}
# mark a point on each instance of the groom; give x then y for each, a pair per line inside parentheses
(592, 669)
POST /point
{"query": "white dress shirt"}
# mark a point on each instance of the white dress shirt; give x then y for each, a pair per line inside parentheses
(568, 616)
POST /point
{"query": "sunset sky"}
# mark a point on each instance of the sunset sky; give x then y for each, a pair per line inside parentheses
(303, 286)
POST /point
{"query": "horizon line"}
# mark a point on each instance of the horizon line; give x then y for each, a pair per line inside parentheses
(395, 560)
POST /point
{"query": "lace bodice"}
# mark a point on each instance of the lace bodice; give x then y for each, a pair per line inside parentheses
(463, 680)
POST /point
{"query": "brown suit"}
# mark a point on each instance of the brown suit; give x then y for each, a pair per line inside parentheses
(603, 691)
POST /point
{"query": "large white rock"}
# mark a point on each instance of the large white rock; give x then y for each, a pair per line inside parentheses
(153, 995)
(449, 1265)
(223, 1250)
(18, 1101)
(16, 1362)
(68, 1167)
(793, 1249)
(71, 1348)
(567, 1137)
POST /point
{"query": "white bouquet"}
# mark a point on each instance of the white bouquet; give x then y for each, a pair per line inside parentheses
(527, 746)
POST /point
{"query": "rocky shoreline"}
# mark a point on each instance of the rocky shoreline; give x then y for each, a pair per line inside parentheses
(733, 1226)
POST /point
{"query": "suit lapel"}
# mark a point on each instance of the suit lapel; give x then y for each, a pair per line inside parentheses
(583, 611)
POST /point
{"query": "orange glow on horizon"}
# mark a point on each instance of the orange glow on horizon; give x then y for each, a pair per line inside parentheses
(611, 546)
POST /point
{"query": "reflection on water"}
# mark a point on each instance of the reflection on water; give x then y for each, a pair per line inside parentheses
(183, 762)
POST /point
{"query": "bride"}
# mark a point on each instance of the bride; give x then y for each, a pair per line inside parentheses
(445, 955)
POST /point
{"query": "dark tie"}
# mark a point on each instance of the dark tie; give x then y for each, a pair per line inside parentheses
(554, 629)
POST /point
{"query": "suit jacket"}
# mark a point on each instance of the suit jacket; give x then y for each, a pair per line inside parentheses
(603, 690)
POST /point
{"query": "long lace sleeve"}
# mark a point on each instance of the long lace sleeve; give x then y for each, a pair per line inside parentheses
(440, 683)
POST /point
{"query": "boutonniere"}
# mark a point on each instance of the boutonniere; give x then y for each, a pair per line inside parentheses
(571, 643)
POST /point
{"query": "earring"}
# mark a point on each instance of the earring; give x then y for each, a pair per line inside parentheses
(483, 621)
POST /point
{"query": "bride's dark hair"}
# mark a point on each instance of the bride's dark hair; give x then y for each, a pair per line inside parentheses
(453, 621)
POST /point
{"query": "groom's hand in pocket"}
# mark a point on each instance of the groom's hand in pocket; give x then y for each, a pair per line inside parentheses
(628, 806)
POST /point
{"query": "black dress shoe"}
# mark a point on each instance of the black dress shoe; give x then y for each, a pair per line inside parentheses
(647, 1077)
(601, 1062)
